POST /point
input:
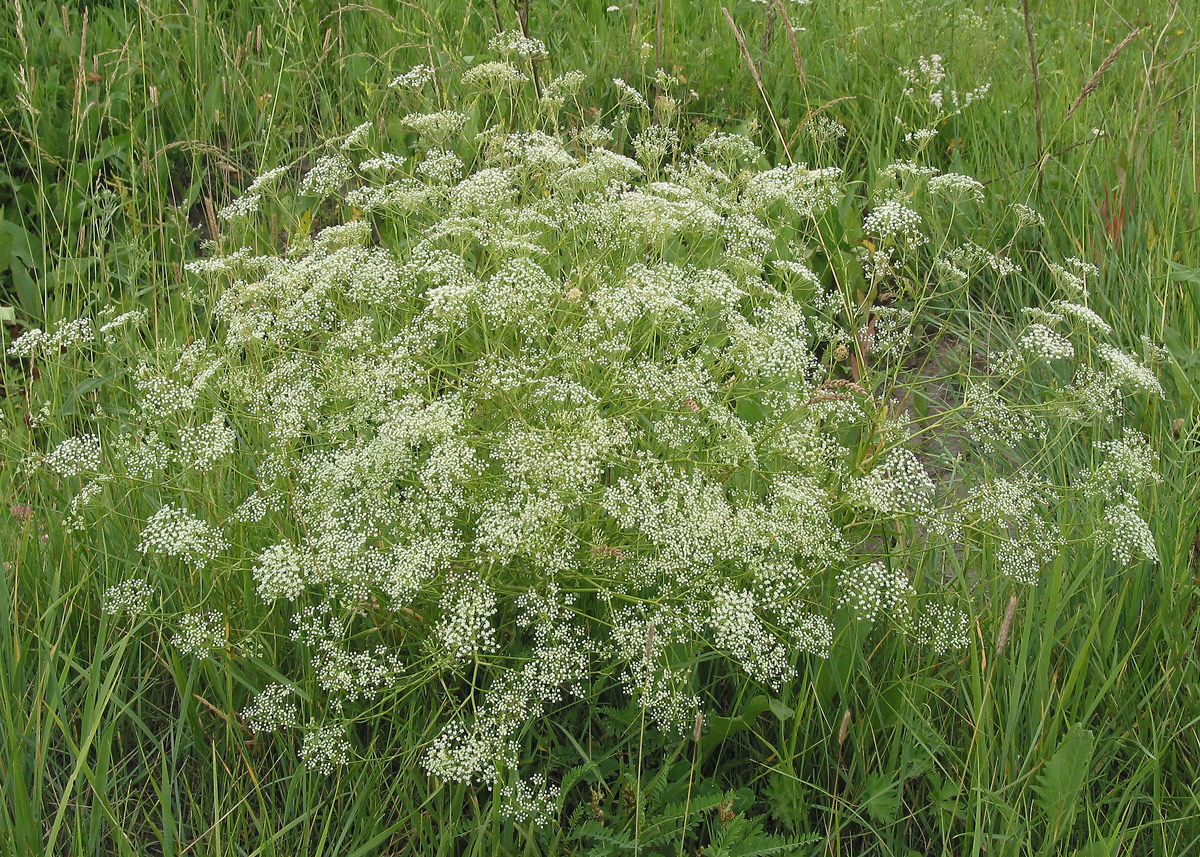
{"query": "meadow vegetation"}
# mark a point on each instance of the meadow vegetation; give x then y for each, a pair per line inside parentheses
(550, 428)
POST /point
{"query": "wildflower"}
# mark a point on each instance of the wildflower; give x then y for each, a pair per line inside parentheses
(76, 455)
(873, 590)
(327, 176)
(325, 747)
(894, 220)
(530, 800)
(954, 184)
(173, 532)
(1127, 534)
(513, 42)
(129, 596)
(415, 78)
(493, 76)
(241, 207)
(943, 628)
(200, 633)
(273, 708)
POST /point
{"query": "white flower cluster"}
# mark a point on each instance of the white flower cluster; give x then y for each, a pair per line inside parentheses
(1027, 217)
(436, 128)
(874, 590)
(493, 76)
(174, 532)
(894, 220)
(466, 628)
(274, 708)
(327, 175)
(926, 81)
(129, 596)
(531, 799)
(415, 78)
(283, 571)
(514, 42)
(133, 318)
(1128, 371)
(899, 484)
(1126, 532)
(202, 446)
(824, 129)
(75, 456)
(244, 206)
(956, 185)
(200, 633)
(325, 747)
(68, 335)
(943, 628)
(737, 629)
(1128, 464)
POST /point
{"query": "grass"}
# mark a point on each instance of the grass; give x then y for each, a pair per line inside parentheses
(127, 125)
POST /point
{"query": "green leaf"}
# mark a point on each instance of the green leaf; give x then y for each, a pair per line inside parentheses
(17, 241)
(1063, 778)
(1182, 273)
(28, 297)
(881, 798)
(780, 710)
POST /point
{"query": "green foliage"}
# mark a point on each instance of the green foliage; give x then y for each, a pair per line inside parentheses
(1063, 778)
(124, 748)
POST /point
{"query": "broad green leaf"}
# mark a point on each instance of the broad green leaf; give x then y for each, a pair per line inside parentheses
(780, 710)
(1063, 778)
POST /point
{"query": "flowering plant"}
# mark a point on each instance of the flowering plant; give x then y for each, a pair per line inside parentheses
(527, 420)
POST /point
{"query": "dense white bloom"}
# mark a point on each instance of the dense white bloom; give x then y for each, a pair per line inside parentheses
(1127, 534)
(493, 76)
(130, 596)
(274, 708)
(1129, 372)
(955, 184)
(326, 176)
(514, 42)
(535, 422)
(200, 633)
(1127, 463)
(874, 590)
(283, 571)
(76, 455)
(325, 747)
(243, 206)
(415, 78)
(943, 627)
(896, 221)
(898, 484)
(1019, 561)
(174, 532)
(436, 128)
(204, 445)
(726, 148)
(737, 629)
(1040, 342)
(466, 627)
